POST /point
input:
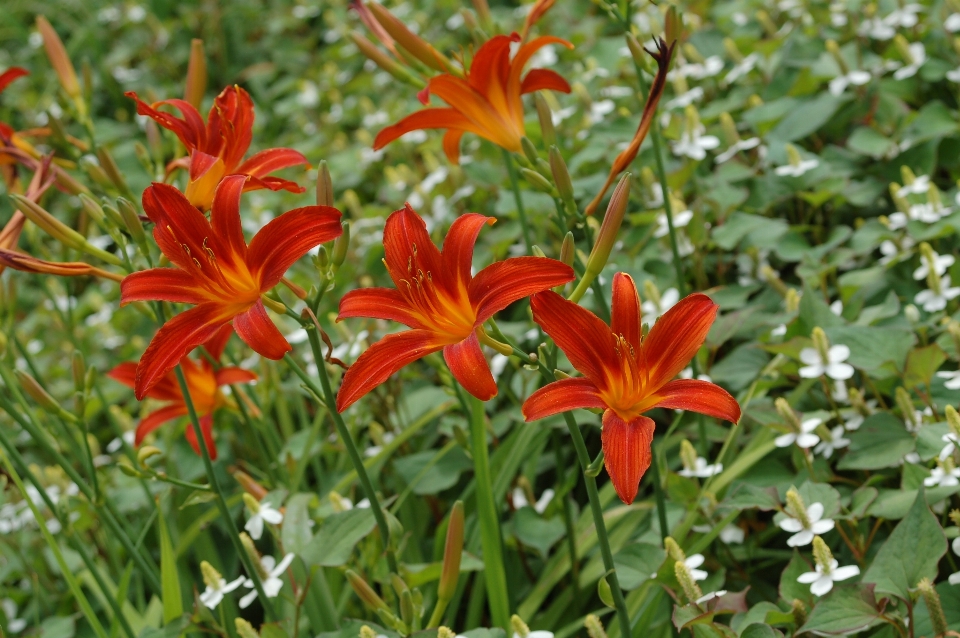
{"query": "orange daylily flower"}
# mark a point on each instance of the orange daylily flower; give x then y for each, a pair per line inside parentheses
(8, 76)
(441, 301)
(217, 148)
(203, 382)
(487, 102)
(625, 374)
(217, 271)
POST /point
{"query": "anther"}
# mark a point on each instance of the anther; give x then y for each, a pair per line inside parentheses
(197, 262)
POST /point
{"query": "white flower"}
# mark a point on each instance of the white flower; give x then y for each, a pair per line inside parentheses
(905, 16)
(877, 29)
(941, 477)
(701, 469)
(779, 331)
(533, 634)
(827, 448)
(791, 170)
(834, 367)
(668, 299)
(954, 379)
(736, 147)
(684, 100)
(709, 68)
(952, 23)
(805, 438)
(853, 422)
(708, 597)
(920, 186)
(212, 596)
(520, 499)
(732, 535)
(933, 302)
(692, 563)
(918, 57)
(265, 512)
(745, 66)
(821, 581)
(694, 145)
(271, 584)
(856, 77)
(680, 220)
(954, 75)
(940, 265)
(950, 444)
(803, 535)
(955, 578)
(14, 625)
(927, 213)
(891, 251)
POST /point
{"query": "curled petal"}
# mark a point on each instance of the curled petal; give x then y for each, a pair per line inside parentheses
(451, 145)
(225, 216)
(206, 426)
(469, 367)
(261, 334)
(10, 75)
(676, 337)
(229, 376)
(699, 396)
(407, 246)
(561, 396)
(190, 129)
(157, 418)
(272, 159)
(544, 79)
(381, 360)
(625, 310)
(378, 303)
(288, 238)
(160, 284)
(457, 253)
(504, 282)
(626, 452)
(125, 373)
(424, 119)
(272, 183)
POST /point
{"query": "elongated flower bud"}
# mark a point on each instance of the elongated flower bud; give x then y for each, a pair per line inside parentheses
(934, 607)
(414, 44)
(36, 392)
(452, 552)
(324, 185)
(953, 420)
(822, 554)
(594, 626)
(610, 228)
(253, 554)
(131, 220)
(799, 612)
(364, 591)
(50, 224)
(545, 117)
(245, 629)
(111, 169)
(381, 59)
(636, 51)
(340, 246)
(59, 60)
(519, 627)
(249, 485)
(821, 343)
(905, 403)
(196, 84)
(673, 549)
(538, 181)
(673, 25)
(690, 587)
(797, 508)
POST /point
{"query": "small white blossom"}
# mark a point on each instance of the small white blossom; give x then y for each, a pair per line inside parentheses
(805, 438)
(952, 23)
(14, 625)
(837, 441)
(803, 535)
(272, 584)
(694, 145)
(708, 597)
(906, 16)
(692, 563)
(951, 443)
(953, 379)
(821, 581)
(856, 77)
(533, 634)
(265, 512)
(920, 186)
(684, 100)
(796, 170)
(918, 56)
(933, 302)
(941, 477)
(213, 596)
(940, 265)
(520, 499)
(736, 147)
(745, 66)
(877, 29)
(955, 577)
(834, 367)
(701, 469)
(680, 220)
(732, 535)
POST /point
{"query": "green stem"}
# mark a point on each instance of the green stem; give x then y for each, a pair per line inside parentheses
(245, 558)
(330, 401)
(658, 493)
(495, 577)
(567, 518)
(521, 213)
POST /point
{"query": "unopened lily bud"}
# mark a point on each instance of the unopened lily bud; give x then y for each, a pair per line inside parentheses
(730, 133)
(131, 221)
(953, 420)
(92, 208)
(452, 553)
(483, 12)
(673, 25)
(639, 56)
(693, 54)
(36, 392)
(673, 549)
(822, 554)
(732, 51)
(364, 591)
(610, 228)
(690, 587)
(688, 455)
(67, 182)
(50, 224)
(196, 84)
(767, 23)
(95, 172)
(537, 251)
(245, 629)
(529, 150)
(594, 626)
(340, 246)
(545, 117)
(407, 613)
(519, 627)
(799, 612)
(154, 140)
(538, 181)
(59, 59)
(249, 485)
(324, 185)
(604, 592)
(561, 177)
(797, 508)
(567, 249)
(274, 305)
(146, 452)
(905, 403)
(128, 469)
(79, 369)
(111, 169)
(352, 203)
(412, 43)
(253, 554)
(934, 607)
(381, 59)
(821, 343)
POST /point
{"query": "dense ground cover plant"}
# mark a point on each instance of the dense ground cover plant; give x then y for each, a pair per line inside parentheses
(682, 335)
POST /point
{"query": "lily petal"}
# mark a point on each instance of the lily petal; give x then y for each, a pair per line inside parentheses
(381, 360)
(160, 284)
(423, 119)
(10, 75)
(190, 129)
(180, 228)
(626, 452)
(261, 334)
(469, 367)
(218, 343)
(225, 216)
(457, 252)
(699, 396)
(157, 418)
(625, 310)
(229, 376)
(561, 396)
(287, 238)
(407, 245)
(583, 337)
(504, 282)
(270, 160)
(543, 80)
(675, 338)
(206, 426)
(378, 303)
(451, 145)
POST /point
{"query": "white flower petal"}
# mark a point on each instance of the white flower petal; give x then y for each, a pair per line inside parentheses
(822, 527)
(838, 353)
(800, 539)
(821, 586)
(694, 561)
(254, 527)
(808, 577)
(785, 440)
(807, 441)
(270, 515)
(810, 356)
(791, 525)
(815, 512)
(248, 599)
(839, 371)
(843, 573)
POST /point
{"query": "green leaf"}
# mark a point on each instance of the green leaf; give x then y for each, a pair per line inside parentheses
(846, 609)
(442, 472)
(871, 348)
(894, 504)
(333, 544)
(921, 364)
(807, 117)
(169, 578)
(58, 627)
(296, 532)
(760, 630)
(273, 630)
(821, 493)
(743, 225)
(535, 531)
(930, 439)
(747, 496)
(911, 553)
(881, 441)
(789, 587)
(867, 141)
(197, 497)
(636, 563)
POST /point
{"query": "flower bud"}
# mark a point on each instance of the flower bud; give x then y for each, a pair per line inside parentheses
(731, 49)
(79, 369)
(594, 626)
(452, 553)
(249, 485)
(905, 403)
(899, 200)
(538, 181)
(690, 587)
(673, 549)
(797, 508)
(251, 503)
(934, 607)
(211, 577)
(688, 455)
(561, 177)
(111, 169)
(822, 554)
(131, 221)
(907, 176)
(529, 150)
(340, 246)
(821, 343)
(412, 43)
(612, 220)
(95, 172)
(567, 255)
(953, 420)
(673, 25)
(364, 591)
(636, 51)
(770, 275)
(547, 131)
(245, 629)
(92, 208)
(445, 632)
(729, 128)
(604, 592)
(324, 185)
(519, 627)
(799, 612)
(912, 313)
(146, 452)
(50, 224)
(791, 301)
(59, 59)
(253, 554)
(367, 632)
(196, 84)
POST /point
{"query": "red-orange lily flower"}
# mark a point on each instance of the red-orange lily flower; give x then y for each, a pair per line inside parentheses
(6, 78)
(217, 148)
(487, 102)
(441, 301)
(203, 383)
(624, 375)
(216, 270)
